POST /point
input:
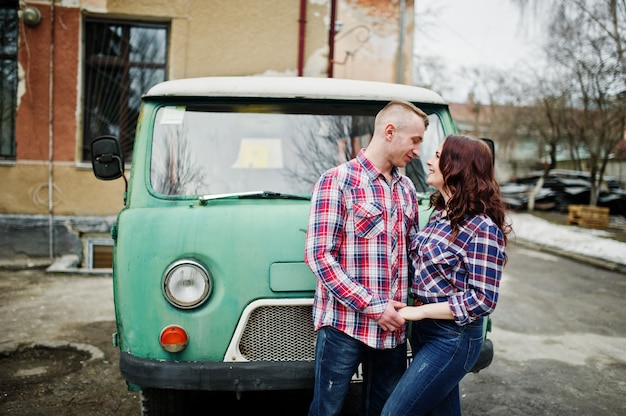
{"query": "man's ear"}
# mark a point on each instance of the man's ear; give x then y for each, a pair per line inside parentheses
(390, 129)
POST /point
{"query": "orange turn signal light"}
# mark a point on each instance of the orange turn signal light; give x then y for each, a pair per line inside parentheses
(173, 338)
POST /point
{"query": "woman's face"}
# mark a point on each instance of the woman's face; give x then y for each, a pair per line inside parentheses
(435, 177)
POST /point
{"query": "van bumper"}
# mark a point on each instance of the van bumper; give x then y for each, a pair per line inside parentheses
(217, 376)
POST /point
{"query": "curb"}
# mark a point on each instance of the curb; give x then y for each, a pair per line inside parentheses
(25, 263)
(65, 264)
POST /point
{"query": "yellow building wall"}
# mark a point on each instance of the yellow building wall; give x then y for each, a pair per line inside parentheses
(207, 37)
(75, 192)
(368, 45)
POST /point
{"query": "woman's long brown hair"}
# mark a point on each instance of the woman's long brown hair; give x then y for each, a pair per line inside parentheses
(467, 167)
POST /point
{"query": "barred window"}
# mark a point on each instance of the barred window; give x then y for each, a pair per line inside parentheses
(9, 25)
(122, 61)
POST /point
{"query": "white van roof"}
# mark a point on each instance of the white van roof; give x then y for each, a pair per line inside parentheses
(293, 87)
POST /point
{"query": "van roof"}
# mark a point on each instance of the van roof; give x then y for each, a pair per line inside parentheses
(293, 87)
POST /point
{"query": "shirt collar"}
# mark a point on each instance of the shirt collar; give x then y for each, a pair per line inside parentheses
(372, 171)
(437, 214)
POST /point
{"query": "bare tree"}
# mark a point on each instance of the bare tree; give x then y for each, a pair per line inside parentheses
(584, 108)
(322, 142)
(173, 170)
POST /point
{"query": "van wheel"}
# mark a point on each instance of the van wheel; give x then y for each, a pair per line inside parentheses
(159, 402)
(352, 404)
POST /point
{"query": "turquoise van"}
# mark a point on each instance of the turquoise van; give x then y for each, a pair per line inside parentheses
(210, 287)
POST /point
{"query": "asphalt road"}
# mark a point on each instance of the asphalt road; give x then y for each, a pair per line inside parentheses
(560, 341)
(559, 334)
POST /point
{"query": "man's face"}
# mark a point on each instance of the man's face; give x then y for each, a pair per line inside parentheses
(407, 141)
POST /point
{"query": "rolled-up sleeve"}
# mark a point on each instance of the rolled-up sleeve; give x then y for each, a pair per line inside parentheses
(483, 263)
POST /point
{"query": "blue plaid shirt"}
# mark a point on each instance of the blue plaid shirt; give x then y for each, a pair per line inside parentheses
(465, 273)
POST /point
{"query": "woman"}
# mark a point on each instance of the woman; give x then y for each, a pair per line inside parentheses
(458, 259)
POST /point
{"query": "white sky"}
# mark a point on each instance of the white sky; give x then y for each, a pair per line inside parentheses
(494, 33)
(477, 33)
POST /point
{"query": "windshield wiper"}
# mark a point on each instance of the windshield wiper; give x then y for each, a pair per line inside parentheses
(276, 195)
(253, 195)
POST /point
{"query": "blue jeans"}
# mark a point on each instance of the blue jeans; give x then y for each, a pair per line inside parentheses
(443, 352)
(337, 357)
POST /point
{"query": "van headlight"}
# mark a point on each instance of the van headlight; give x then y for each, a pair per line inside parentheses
(186, 284)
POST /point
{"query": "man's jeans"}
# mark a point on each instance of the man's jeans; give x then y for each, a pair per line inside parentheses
(443, 353)
(337, 357)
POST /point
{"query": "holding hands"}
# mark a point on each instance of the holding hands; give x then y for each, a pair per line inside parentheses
(390, 320)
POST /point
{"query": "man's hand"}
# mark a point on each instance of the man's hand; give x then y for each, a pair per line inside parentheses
(391, 320)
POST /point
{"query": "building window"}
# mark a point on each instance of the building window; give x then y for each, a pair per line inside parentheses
(122, 61)
(9, 25)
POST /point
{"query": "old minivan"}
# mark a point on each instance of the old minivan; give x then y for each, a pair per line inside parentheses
(210, 287)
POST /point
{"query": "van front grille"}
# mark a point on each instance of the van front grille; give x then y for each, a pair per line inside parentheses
(279, 333)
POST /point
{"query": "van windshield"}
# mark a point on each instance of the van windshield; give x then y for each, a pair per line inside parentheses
(225, 149)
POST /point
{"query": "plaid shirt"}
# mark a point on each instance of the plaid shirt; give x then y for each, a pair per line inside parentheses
(465, 273)
(356, 245)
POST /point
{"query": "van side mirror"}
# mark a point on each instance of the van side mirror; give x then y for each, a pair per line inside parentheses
(492, 146)
(106, 158)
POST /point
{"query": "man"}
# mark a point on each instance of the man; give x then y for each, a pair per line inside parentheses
(362, 215)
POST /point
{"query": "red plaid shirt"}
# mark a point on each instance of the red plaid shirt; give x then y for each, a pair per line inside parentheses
(356, 245)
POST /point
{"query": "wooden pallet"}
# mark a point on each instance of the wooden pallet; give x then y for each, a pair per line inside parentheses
(588, 216)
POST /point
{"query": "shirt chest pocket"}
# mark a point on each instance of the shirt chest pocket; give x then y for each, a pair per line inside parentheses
(439, 257)
(368, 219)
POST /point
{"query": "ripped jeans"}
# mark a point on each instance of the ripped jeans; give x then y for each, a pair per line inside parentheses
(337, 357)
(443, 352)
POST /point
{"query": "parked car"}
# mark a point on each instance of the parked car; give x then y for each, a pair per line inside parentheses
(560, 189)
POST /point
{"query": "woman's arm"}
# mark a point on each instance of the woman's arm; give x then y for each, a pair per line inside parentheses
(439, 310)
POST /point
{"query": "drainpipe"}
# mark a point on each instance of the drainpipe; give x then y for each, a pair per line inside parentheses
(401, 42)
(301, 37)
(331, 37)
(51, 136)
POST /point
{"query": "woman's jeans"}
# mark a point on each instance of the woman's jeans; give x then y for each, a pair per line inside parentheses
(337, 357)
(443, 352)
